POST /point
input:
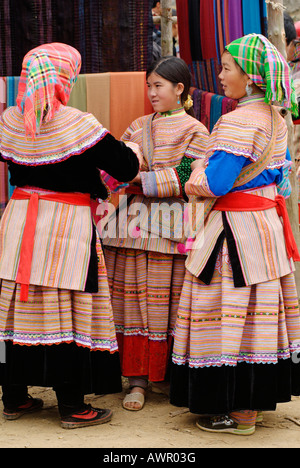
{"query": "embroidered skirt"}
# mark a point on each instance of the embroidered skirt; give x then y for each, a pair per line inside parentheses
(145, 289)
(68, 335)
(53, 316)
(234, 347)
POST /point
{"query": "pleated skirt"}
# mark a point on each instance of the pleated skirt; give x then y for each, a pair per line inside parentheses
(235, 348)
(145, 290)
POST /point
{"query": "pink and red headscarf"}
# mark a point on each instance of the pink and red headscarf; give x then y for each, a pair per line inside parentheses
(48, 74)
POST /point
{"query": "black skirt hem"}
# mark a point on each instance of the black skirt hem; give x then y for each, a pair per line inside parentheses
(97, 372)
(220, 390)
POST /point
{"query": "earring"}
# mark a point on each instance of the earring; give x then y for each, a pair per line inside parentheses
(249, 89)
(178, 100)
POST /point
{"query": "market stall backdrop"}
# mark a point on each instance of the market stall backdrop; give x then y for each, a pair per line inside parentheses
(115, 41)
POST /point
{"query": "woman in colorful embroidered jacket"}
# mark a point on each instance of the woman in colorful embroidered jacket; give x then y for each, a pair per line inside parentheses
(55, 310)
(145, 269)
(237, 332)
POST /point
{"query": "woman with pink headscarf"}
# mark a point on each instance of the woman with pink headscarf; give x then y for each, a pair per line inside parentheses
(55, 310)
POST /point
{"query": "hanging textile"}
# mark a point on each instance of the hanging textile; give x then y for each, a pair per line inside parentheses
(111, 36)
(78, 98)
(128, 100)
(207, 30)
(213, 24)
(235, 20)
(209, 107)
(194, 29)
(216, 110)
(183, 31)
(116, 99)
(251, 21)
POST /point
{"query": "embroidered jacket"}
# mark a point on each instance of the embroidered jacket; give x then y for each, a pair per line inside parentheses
(178, 139)
(258, 247)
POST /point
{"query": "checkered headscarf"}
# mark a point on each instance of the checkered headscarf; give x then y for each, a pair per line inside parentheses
(267, 68)
(48, 75)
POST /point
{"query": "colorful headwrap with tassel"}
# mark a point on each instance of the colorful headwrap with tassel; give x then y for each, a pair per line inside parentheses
(48, 75)
(267, 68)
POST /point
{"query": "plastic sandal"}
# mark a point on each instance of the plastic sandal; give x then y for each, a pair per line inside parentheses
(134, 397)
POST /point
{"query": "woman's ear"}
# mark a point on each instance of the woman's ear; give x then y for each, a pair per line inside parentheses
(179, 88)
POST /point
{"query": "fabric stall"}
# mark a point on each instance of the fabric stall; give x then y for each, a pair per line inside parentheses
(116, 53)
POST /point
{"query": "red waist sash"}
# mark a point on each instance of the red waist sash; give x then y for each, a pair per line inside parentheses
(26, 252)
(241, 201)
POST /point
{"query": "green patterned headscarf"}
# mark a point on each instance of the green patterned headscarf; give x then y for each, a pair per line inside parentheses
(267, 68)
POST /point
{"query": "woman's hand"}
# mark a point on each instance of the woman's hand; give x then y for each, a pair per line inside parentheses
(137, 179)
(198, 163)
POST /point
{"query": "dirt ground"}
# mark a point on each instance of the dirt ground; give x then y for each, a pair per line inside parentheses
(158, 425)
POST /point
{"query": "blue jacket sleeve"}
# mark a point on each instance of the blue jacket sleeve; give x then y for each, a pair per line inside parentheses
(222, 170)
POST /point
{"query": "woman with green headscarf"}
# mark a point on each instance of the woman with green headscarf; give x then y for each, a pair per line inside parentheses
(237, 335)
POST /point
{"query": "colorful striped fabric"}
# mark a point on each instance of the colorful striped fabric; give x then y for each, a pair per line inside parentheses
(69, 253)
(219, 324)
(115, 99)
(3, 187)
(207, 29)
(208, 111)
(144, 307)
(52, 316)
(69, 132)
(174, 136)
(252, 119)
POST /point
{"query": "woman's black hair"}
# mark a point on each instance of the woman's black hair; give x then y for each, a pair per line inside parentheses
(289, 28)
(235, 62)
(175, 70)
